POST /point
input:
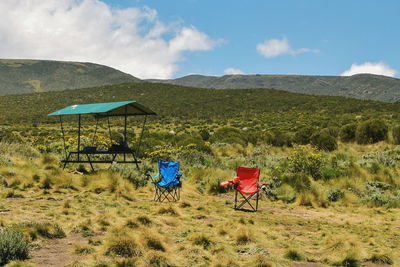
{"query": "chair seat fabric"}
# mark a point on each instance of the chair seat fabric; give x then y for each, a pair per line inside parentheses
(246, 180)
(169, 172)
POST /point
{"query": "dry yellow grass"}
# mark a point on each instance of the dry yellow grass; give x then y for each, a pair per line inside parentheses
(107, 221)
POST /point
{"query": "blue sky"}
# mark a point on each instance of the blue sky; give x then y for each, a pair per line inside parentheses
(173, 38)
(344, 32)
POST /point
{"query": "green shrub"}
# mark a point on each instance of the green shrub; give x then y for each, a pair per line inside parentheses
(347, 132)
(12, 246)
(335, 194)
(396, 135)
(280, 139)
(329, 173)
(303, 135)
(373, 185)
(332, 131)
(307, 162)
(371, 131)
(205, 135)
(324, 141)
(229, 135)
(298, 181)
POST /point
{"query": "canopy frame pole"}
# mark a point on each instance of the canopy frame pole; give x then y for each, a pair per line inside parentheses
(126, 120)
(95, 131)
(141, 135)
(109, 129)
(63, 136)
(79, 135)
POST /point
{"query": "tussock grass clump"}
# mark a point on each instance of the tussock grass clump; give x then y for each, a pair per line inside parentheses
(123, 245)
(169, 211)
(381, 258)
(154, 243)
(12, 194)
(46, 183)
(144, 220)
(157, 259)
(12, 246)
(33, 229)
(243, 237)
(203, 241)
(131, 224)
(185, 205)
(208, 180)
(126, 263)
(348, 261)
(83, 250)
(102, 221)
(294, 255)
(49, 159)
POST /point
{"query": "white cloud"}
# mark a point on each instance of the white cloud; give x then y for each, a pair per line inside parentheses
(133, 40)
(378, 68)
(276, 47)
(232, 71)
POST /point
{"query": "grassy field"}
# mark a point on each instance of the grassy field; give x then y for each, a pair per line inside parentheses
(108, 218)
(332, 165)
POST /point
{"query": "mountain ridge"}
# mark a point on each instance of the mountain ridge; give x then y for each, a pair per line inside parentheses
(360, 86)
(20, 76)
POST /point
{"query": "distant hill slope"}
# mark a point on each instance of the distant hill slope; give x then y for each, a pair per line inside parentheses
(27, 76)
(172, 102)
(361, 86)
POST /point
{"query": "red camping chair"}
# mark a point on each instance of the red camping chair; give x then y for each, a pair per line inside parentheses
(246, 183)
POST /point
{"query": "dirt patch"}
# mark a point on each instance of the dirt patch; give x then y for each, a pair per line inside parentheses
(58, 252)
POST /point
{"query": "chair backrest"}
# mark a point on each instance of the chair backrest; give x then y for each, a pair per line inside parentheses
(168, 171)
(248, 178)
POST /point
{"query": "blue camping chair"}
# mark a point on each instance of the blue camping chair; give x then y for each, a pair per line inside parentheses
(168, 185)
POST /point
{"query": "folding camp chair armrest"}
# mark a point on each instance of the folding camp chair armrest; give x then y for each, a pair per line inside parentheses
(178, 175)
(262, 184)
(234, 182)
(154, 177)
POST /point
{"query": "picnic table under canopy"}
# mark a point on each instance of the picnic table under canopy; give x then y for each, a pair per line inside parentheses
(104, 110)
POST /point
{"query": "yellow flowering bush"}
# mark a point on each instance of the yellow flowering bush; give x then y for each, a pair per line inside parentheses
(306, 161)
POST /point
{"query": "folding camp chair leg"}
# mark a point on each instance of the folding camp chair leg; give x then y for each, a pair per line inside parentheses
(169, 194)
(236, 198)
(246, 200)
(258, 196)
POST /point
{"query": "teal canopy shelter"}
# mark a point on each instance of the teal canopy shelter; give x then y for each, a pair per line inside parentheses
(125, 108)
(104, 110)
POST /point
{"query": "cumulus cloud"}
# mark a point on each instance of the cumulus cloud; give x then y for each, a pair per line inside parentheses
(132, 40)
(276, 47)
(232, 71)
(372, 68)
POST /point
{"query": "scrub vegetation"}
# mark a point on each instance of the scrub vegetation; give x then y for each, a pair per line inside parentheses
(332, 167)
